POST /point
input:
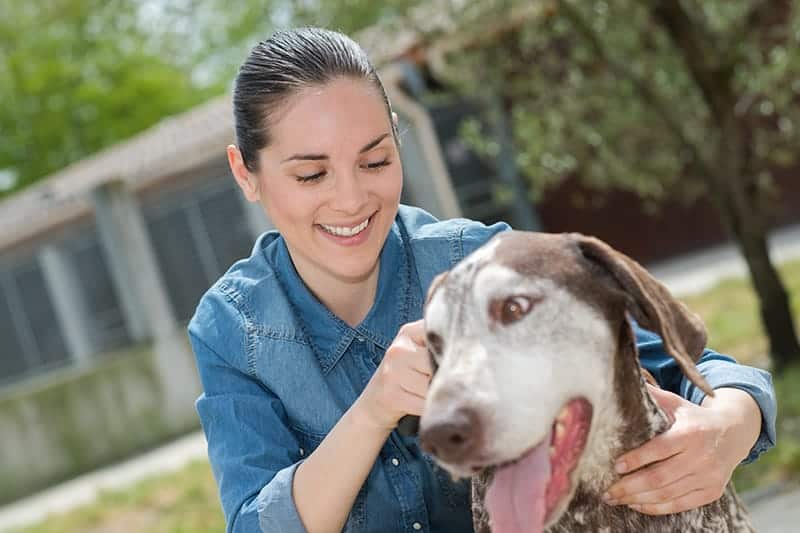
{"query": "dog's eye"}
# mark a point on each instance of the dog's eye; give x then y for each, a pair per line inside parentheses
(511, 309)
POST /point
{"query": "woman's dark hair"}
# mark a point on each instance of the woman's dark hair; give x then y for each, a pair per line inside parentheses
(285, 63)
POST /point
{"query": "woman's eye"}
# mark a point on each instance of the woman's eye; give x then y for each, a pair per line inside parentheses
(310, 177)
(377, 164)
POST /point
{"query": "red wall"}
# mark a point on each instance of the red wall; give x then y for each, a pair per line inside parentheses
(619, 218)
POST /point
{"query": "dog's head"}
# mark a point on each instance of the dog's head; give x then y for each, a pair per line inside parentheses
(531, 342)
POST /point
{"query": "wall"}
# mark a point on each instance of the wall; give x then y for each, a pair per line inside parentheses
(68, 422)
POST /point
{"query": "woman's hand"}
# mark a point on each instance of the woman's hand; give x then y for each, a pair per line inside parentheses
(690, 464)
(399, 385)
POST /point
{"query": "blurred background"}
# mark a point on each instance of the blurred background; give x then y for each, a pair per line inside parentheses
(667, 128)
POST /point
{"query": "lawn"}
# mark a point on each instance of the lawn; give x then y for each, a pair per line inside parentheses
(186, 501)
(180, 502)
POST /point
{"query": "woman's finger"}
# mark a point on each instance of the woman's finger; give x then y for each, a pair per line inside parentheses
(414, 405)
(415, 383)
(414, 331)
(688, 501)
(652, 477)
(658, 448)
(404, 352)
(671, 491)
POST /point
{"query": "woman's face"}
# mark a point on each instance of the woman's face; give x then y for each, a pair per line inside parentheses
(331, 179)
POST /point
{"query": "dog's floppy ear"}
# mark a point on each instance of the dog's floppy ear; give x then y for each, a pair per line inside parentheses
(654, 307)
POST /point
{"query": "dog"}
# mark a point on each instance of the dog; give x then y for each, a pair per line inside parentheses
(538, 389)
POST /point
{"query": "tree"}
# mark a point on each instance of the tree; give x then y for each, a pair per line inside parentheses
(661, 97)
(77, 76)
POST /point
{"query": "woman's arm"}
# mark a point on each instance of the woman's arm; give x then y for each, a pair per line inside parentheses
(326, 484)
(264, 481)
(690, 464)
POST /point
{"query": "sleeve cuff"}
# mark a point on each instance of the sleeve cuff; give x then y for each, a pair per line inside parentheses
(757, 383)
(275, 504)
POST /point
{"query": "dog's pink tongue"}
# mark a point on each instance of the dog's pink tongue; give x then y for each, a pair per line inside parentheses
(516, 497)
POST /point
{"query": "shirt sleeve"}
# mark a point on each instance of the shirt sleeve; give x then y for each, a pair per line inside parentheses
(253, 453)
(720, 371)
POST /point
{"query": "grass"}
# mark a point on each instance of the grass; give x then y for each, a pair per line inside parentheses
(731, 315)
(180, 502)
(186, 501)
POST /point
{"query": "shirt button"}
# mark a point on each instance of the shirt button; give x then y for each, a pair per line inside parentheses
(417, 526)
(302, 452)
(360, 338)
(395, 461)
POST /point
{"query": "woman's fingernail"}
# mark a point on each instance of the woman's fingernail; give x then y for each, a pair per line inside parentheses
(621, 467)
(635, 506)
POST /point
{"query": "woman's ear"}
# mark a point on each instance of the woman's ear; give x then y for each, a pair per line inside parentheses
(244, 178)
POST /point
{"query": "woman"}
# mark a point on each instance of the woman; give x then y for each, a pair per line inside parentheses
(312, 349)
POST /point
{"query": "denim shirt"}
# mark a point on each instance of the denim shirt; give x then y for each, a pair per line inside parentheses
(279, 369)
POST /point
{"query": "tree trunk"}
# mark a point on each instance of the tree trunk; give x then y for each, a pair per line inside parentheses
(776, 315)
(729, 178)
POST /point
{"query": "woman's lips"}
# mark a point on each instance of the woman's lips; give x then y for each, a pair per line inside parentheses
(350, 240)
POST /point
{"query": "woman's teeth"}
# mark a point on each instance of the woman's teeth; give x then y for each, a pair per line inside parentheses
(345, 232)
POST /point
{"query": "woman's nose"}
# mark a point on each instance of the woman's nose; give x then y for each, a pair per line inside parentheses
(350, 195)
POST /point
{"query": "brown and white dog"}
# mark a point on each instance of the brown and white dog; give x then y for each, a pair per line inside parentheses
(538, 386)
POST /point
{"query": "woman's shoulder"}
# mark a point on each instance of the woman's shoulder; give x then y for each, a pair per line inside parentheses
(461, 234)
(232, 307)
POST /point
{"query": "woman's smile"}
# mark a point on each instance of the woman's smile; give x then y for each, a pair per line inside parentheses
(346, 234)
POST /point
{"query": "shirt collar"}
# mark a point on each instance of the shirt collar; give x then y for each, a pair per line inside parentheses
(329, 335)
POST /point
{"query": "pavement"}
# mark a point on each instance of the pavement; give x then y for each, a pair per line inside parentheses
(702, 270)
(774, 509)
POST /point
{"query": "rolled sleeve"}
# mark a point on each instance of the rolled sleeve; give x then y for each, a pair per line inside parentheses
(275, 505)
(720, 371)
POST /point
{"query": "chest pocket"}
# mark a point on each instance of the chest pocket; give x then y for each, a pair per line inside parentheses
(357, 519)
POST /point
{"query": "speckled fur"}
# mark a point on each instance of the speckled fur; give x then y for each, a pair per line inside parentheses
(638, 418)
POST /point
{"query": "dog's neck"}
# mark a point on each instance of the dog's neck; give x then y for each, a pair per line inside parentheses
(632, 418)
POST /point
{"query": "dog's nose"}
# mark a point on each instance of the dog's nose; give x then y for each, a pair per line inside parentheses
(452, 439)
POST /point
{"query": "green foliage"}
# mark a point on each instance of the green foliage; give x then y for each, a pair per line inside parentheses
(77, 76)
(598, 88)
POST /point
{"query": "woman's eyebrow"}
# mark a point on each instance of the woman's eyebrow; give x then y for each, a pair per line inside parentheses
(372, 144)
(319, 157)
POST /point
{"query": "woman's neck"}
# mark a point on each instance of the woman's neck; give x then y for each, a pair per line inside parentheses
(348, 299)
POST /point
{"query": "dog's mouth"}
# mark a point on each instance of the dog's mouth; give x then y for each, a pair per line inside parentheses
(525, 492)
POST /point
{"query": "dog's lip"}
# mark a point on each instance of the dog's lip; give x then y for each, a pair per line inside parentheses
(553, 508)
